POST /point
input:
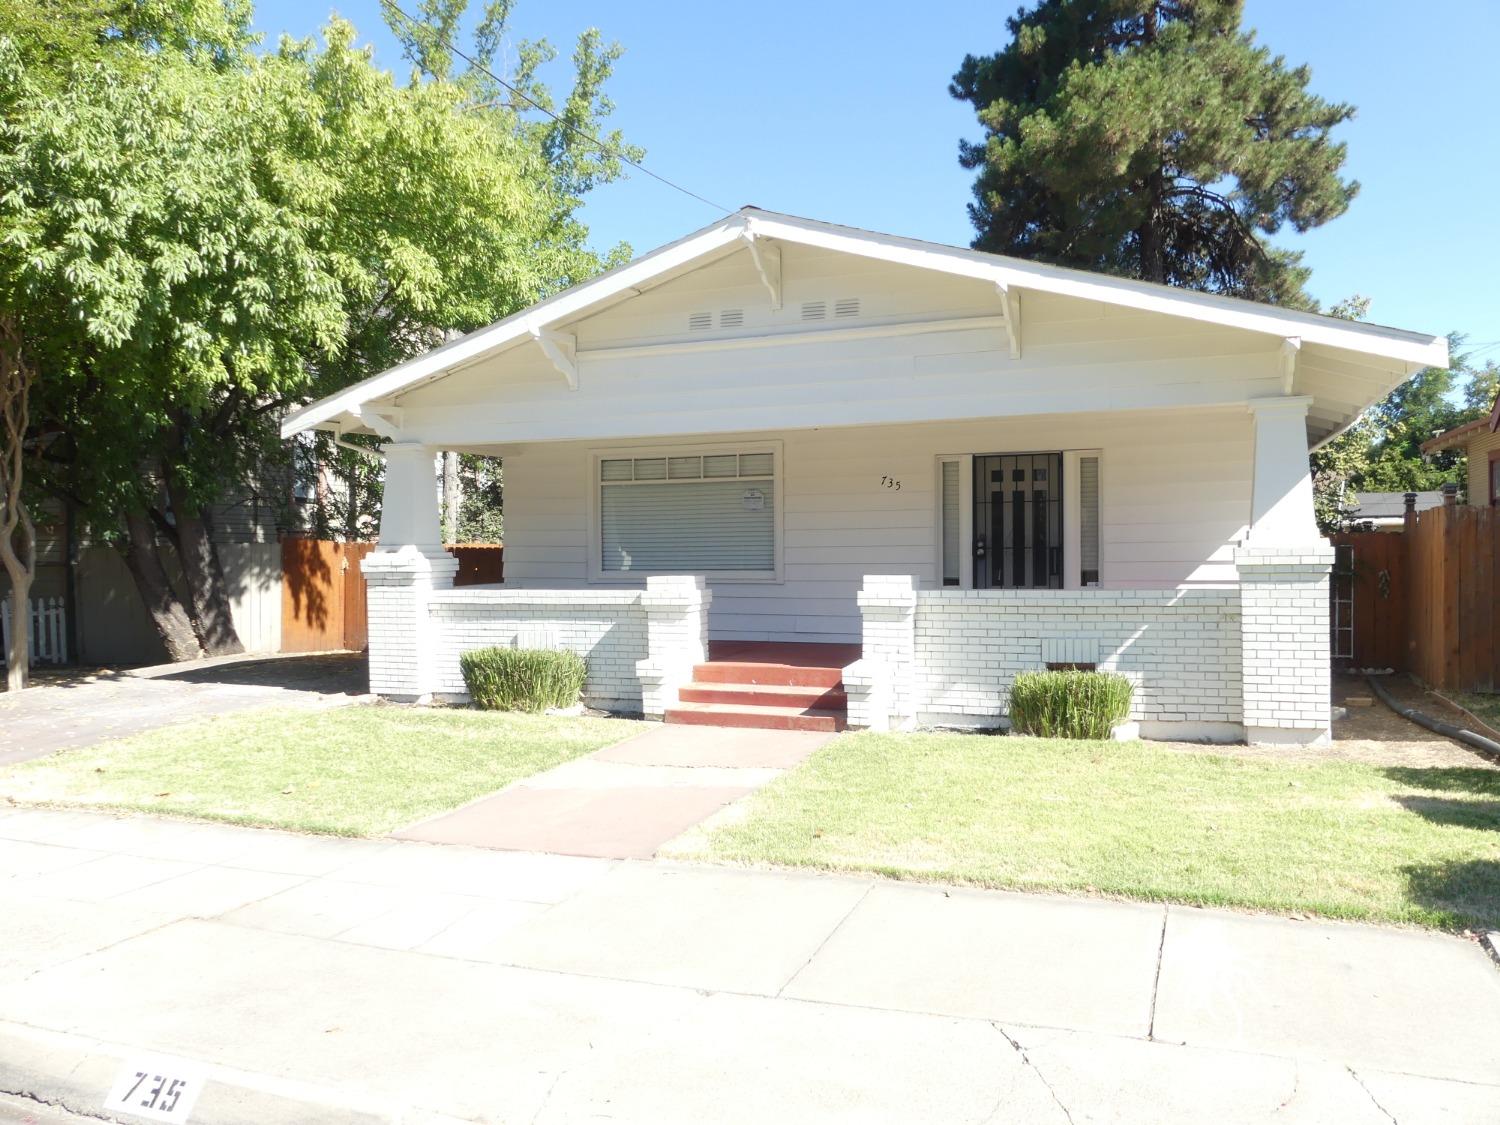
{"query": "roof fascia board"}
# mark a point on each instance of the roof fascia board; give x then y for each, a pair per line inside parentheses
(567, 303)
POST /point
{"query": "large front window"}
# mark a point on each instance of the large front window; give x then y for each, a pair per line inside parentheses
(692, 511)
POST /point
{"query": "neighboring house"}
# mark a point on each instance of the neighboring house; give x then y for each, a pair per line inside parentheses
(1480, 439)
(918, 469)
(1386, 511)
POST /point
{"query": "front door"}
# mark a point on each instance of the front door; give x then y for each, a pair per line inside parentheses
(1018, 524)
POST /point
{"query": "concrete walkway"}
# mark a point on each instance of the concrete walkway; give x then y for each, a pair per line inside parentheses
(627, 800)
(69, 710)
(344, 980)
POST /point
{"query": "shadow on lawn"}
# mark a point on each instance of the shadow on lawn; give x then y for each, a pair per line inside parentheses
(1467, 778)
(1459, 814)
(1467, 890)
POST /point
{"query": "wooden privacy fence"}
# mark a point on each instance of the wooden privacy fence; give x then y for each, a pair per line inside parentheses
(46, 630)
(1424, 600)
(323, 590)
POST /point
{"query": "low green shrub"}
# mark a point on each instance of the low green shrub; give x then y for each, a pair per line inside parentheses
(522, 679)
(1068, 704)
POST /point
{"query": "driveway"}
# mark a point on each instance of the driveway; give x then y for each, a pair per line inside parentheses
(79, 709)
(341, 980)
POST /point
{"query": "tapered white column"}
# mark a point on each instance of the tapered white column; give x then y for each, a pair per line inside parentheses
(1281, 502)
(402, 571)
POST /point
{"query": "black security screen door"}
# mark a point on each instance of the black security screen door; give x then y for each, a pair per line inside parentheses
(1018, 521)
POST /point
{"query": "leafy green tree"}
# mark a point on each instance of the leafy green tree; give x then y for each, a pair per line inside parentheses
(1151, 139)
(1382, 451)
(230, 233)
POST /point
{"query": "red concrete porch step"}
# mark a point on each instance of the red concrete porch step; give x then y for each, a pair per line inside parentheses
(764, 718)
(767, 695)
(773, 675)
(768, 685)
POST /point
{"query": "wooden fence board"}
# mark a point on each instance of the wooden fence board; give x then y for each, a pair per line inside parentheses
(324, 598)
(312, 595)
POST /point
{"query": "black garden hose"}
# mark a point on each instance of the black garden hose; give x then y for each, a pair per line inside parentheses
(1488, 745)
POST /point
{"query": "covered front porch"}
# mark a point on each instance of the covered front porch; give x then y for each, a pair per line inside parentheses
(891, 576)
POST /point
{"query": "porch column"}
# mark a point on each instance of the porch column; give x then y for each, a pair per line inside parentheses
(403, 570)
(878, 684)
(676, 608)
(1283, 567)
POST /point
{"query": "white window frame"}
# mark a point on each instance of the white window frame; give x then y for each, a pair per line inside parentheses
(596, 572)
(1073, 519)
(965, 463)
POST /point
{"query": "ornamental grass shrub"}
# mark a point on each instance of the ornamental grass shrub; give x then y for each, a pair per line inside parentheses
(1068, 704)
(522, 679)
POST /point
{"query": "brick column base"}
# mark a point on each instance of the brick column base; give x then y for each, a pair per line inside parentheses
(879, 683)
(676, 608)
(1285, 664)
(398, 584)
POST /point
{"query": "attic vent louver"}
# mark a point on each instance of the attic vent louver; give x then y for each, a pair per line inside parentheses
(700, 322)
(846, 306)
(814, 310)
(731, 318)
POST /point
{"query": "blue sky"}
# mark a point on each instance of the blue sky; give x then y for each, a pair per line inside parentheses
(840, 111)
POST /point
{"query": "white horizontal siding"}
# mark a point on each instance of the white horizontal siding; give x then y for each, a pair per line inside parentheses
(1175, 494)
(1075, 355)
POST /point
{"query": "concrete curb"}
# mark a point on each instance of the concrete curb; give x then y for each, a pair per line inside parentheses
(73, 1073)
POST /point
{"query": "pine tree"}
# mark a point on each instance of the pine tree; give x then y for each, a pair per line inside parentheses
(1151, 139)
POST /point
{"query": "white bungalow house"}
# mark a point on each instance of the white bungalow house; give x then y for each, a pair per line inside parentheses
(781, 467)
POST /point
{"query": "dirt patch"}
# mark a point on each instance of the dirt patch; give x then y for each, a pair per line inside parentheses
(1373, 734)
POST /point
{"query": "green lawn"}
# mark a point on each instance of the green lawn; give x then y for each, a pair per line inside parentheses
(1342, 839)
(351, 771)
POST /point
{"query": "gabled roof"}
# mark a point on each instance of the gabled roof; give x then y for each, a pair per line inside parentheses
(1408, 350)
(1460, 435)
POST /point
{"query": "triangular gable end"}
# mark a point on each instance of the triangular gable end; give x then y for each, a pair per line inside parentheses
(760, 232)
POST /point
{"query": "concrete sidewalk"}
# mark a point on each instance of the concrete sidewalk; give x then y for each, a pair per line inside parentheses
(333, 980)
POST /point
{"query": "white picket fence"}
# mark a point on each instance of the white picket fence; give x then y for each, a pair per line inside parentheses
(46, 630)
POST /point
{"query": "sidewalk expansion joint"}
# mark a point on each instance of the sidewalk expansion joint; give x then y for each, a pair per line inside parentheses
(826, 939)
(1161, 945)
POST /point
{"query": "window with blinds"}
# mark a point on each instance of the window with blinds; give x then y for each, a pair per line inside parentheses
(951, 571)
(1088, 521)
(689, 513)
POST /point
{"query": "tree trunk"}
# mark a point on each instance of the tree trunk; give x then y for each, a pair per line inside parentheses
(208, 593)
(1148, 234)
(20, 567)
(16, 375)
(452, 497)
(170, 617)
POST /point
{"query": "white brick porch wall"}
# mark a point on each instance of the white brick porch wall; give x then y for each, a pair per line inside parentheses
(605, 627)
(1181, 649)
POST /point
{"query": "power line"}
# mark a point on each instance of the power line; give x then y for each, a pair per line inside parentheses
(593, 140)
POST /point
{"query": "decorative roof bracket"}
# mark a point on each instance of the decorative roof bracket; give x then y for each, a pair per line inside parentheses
(561, 350)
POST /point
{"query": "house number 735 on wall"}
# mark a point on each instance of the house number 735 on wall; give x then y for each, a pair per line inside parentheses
(890, 482)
